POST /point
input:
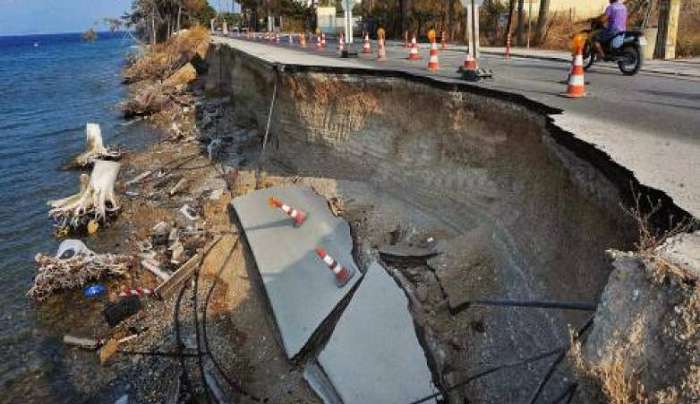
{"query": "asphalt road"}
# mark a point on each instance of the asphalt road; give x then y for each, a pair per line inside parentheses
(648, 123)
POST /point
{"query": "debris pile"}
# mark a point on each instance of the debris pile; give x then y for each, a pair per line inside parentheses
(73, 266)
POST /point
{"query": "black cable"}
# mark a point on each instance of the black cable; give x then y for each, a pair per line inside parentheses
(567, 393)
(200, 363)
(232, 383)
(178, 337)
(547, 376)
(492, 370)
(531, 304)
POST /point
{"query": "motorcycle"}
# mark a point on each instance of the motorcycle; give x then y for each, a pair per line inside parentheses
(625, 49)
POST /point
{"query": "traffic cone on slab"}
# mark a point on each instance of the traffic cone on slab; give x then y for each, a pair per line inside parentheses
(342, 274)
(366, 47)
(577, 86)
(296, 214)
(433, 63)
(413, 52)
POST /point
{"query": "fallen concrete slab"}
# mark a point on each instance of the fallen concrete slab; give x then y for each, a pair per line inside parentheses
(300, 287)
(373, 355)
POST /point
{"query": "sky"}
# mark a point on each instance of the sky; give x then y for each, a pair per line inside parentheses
(20, 17)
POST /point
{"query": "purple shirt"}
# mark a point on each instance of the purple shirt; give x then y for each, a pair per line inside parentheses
(617, 17)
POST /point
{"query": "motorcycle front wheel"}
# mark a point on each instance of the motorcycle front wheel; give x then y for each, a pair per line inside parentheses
(630, 60)
(588, 55)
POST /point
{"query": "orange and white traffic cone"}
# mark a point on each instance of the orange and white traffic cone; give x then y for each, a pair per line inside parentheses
(296, 214)
(469, 62)
(413, 52)
(366, 47)
(323, 39)
(381, 50)
(341, 44)
(342, 274)
(135, 292)
(433, 64)
(577, 85)
(302, 40)
(443, 40)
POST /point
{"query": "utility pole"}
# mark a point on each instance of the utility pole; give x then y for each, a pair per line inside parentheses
(669, 12)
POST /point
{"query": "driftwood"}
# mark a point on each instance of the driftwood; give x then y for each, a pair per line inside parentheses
(94, 147)
(73, 266)
(91, 203)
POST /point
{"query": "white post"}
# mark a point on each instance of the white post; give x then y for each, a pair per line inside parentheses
(350, 34)
(470, 30)
(475, 13)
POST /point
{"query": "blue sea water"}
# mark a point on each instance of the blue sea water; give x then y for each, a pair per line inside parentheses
(50, 86)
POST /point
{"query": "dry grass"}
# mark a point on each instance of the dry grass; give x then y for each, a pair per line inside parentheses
(689, 30)
(161, 60)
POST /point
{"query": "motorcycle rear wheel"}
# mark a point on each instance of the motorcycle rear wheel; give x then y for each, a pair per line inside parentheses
(630, 61)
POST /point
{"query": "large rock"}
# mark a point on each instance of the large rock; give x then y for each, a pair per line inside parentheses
(184, 75)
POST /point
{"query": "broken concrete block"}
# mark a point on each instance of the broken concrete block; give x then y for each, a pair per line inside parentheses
(301, 289)
(466, 269)
(387, 367)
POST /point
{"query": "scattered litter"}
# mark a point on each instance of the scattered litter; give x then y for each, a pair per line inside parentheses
(131, 194)
(161, 233)
(216, 194)
(138, 178)
(178, 187)
(153, 266)
(85, 343)
(181, 275)
(186, 211)
(94, 290)
(108, 350)
(115, 313)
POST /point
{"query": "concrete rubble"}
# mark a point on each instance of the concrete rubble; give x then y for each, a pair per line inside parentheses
(299, 286)
(373, 355)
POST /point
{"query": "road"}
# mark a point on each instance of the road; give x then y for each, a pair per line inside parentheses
(648, 123)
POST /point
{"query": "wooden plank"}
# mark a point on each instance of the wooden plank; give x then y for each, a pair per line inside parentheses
(184, 272)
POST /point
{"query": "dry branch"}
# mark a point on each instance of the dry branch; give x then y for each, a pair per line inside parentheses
(94, 148)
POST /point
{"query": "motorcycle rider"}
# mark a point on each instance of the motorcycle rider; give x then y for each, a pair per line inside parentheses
(616, 18)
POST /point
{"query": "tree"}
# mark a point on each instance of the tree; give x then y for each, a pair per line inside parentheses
(521, 22)
(542, 20)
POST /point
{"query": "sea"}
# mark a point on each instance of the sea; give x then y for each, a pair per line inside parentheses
(50, 87)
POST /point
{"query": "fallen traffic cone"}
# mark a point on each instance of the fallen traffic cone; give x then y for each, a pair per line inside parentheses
(302, 40)
(341, 44)
(366, 47)
(413, 53)
(342, 274)
(381, 50)
(298, 215)
(135, 292)
(576, 87)
(433, 64)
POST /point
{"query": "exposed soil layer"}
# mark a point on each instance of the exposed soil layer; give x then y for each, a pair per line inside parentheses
(514, 214)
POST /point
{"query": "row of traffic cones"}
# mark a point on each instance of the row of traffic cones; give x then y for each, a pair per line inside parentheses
(341, 273)
(575, 81)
